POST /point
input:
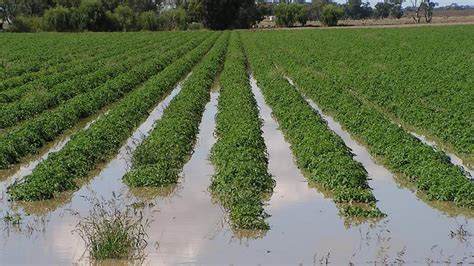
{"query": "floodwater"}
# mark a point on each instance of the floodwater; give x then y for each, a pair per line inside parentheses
(452, 157)
(189, 228)
(45, 236)
(29, 163)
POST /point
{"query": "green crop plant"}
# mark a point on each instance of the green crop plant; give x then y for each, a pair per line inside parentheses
(318, 152)
(239, 155)
(159, 160)
(28, 137)
(341, 89)
(104, 138)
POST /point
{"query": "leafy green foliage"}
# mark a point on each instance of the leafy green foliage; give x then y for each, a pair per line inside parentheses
(239, 155)
(218, 14)
(317, 150)
(125, 17)
(113, 231)
(66, 57)
(331, 14)
(288, 14)
(26, 24)
(148, 21)
(32, 134)
(57, 19)
(358, 95)
(161, 157)
(173, 19)
(91, 146)
(50, 91)
(22, 64)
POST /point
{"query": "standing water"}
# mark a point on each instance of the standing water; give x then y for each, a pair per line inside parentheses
(188, 228)
(46, 236)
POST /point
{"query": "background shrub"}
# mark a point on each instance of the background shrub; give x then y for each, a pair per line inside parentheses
(148, 21)
(173, 19)
(57, 19)
(331, 15)
(26, 24)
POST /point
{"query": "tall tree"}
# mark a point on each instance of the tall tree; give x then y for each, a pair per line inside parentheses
(223, 14)
(425, 8)
(356, 9)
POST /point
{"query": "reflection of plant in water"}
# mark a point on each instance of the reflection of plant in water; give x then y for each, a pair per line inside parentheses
(13, 219)
(359, 220)
(380, 236)
(439, 257)
(400, 254)
(461, 233)
(323, 260)
(21, 223)
(383, 242)
(129, 149)
(113, 230)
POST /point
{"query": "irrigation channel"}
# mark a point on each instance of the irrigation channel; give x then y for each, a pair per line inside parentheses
(454, 159)
(188, 226)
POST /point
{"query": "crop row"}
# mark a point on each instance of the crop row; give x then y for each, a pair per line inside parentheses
(239, 155)
(429, 169)
(161, 157)
(32, 134)
(70, 68)
(430, 91)
(318, 151)
(51, 49)
(38, 100)
(60, 73)
(48, 50)
(89, 147)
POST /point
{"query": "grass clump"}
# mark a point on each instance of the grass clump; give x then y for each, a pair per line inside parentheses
(114, 231)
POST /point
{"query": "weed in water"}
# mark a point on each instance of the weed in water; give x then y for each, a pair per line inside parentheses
(461, 234)
(113, 230)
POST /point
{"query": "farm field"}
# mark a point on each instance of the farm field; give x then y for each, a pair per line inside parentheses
(242, 147)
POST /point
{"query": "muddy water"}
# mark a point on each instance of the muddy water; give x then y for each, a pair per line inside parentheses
(188, 220)
(23, 169)
(46, 239)
(28, 163)
(188, 228)
(424, 232)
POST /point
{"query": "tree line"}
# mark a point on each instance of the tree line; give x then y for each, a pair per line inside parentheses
(134, 15)
(328, 12)
(127, 15)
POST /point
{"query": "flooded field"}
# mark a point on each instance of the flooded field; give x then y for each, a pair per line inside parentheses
(247, 148)
(189, 227)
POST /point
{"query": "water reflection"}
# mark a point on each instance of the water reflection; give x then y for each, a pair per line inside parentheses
(190, 218)
(54, 243)
(29, 163)
(305, 227)
(377, 171)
